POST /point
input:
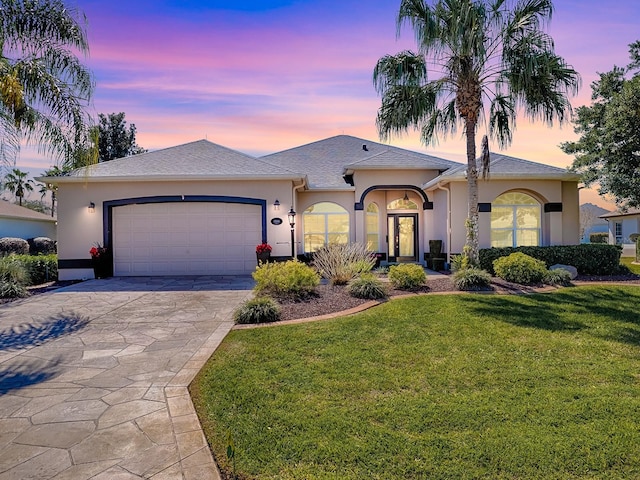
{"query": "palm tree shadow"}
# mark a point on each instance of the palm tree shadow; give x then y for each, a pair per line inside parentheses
(27, 373)
(26, 335)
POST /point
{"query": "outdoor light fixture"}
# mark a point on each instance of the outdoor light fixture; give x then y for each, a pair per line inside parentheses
(292, 222)
(406, 197)
(92, 207)
(276, 205)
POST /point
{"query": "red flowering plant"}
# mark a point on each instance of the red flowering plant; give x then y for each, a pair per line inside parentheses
(98, 250)
(263, 248)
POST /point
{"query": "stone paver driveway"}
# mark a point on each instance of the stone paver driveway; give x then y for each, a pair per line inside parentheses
(93, 377)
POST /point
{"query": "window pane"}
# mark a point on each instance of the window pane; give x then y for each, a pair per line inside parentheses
(526, 238)
(502, 238)
(528, 217)
(325, 222)
(314, 223)
(338, 238)
(515, 198)
(337, 223)
(406, 244)
(502, 217)
(373, 242)
(392, 239)
(325, 207)
(313, 242)
(402, 204)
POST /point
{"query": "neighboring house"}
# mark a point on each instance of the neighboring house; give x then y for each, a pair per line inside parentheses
(621, 227)
(201, 208)
(21, 222)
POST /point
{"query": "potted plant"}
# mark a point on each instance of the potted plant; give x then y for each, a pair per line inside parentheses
(263, 252)
(101, 260)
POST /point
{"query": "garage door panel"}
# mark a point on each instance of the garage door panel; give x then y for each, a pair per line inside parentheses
(186, 238)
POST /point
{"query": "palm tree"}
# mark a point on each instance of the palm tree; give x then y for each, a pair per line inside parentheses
(51, 187)
(44, 88)
(492, 57)
(16, 182)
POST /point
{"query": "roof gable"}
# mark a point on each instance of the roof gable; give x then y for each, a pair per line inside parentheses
(196, 159)
(325, 161)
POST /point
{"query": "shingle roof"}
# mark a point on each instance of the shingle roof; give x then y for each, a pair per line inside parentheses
(325, 161)
(506, 167)
(10, 210)
(630, 211)
(199, 159)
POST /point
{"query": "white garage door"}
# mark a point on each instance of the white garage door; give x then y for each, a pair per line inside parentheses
(185, 239)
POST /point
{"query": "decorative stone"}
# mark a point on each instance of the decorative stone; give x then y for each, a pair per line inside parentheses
(573, 271)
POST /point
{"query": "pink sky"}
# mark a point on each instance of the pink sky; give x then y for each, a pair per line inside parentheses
(264, 76)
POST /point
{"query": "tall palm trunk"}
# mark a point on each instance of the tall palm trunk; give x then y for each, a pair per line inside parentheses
(471, 244)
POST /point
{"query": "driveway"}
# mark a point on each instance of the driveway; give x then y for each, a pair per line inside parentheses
(93, 377)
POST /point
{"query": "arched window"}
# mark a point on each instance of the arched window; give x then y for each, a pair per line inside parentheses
(373, 227)
(402, 204)
(515, 220)
(324, 223)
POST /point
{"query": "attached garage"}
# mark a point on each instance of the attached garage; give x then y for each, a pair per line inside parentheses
(185, 238)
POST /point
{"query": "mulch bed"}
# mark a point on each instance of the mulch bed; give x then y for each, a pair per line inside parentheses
(331, 299)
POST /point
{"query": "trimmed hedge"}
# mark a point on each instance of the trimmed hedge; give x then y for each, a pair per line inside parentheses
(589, 259)
(17, 246)
(41, 246)
(601, 237)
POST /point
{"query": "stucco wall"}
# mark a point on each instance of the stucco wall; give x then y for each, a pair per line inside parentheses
(19, 228)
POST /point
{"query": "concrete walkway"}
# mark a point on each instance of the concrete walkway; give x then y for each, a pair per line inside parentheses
(93, 378)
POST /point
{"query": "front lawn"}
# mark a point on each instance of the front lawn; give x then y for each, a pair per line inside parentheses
(543, 386)
(628, 261)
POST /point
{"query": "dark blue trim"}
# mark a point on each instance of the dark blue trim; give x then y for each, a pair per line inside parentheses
(426, 204)
(484, 207)
(107, 208)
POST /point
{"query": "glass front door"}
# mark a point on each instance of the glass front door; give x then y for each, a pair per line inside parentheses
(403, 237)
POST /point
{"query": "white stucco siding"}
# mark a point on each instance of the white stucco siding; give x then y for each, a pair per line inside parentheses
(25, 228)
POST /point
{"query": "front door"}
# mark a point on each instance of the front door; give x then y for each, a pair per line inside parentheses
(403, 237)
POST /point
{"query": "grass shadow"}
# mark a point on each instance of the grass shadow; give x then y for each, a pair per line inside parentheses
(30, 335)
(26, 374)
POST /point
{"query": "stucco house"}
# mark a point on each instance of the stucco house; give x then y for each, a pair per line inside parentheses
(21, 222)
(201, 208)
(621, 226)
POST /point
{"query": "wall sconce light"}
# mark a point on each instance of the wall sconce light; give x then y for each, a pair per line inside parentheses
(92, 207)
(406, 197)
(276, 205)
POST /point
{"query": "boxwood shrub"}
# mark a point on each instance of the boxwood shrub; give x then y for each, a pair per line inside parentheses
(407, 276)
(589, 259)
(285, 280)
(520, 268)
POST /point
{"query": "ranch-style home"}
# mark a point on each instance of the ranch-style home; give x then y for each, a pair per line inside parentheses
(201, 209)
(621, 227)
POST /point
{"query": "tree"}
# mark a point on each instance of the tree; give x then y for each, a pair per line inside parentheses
(51, 187)
(483, 50)
(608, 150)
(115, 139)
(44, 87)
(588, 217)
(17, 183)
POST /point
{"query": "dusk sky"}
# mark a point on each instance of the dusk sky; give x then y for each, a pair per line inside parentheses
(263, 76)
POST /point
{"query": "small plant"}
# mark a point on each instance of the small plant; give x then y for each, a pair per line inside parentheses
(382, 270)
(520, 268)
(13, 278)
(557, 277)
(285, 280)
(367, 286)
(407, 276)
(340, 263)
(257, 310)
(98, 251)
(459, 262)
(263, 248)
(41, 268)
(472, 278)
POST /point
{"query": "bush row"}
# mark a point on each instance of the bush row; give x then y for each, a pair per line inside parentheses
(589, 259)
(32, 246)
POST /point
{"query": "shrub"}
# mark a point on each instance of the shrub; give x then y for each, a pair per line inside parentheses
(41, 246)
(459, 262)
(638, 249)
(9, 245)
(291, 279)
(520, 268)
(340, 263)
(367, 286)
(471, 278)
(600, 237)
(257, 310)
(41, 268)
(13, 278)
(407, 276)
(557, 277)
(589, 259)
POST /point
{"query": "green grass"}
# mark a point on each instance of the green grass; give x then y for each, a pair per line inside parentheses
(542, 386)
(628, 262)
